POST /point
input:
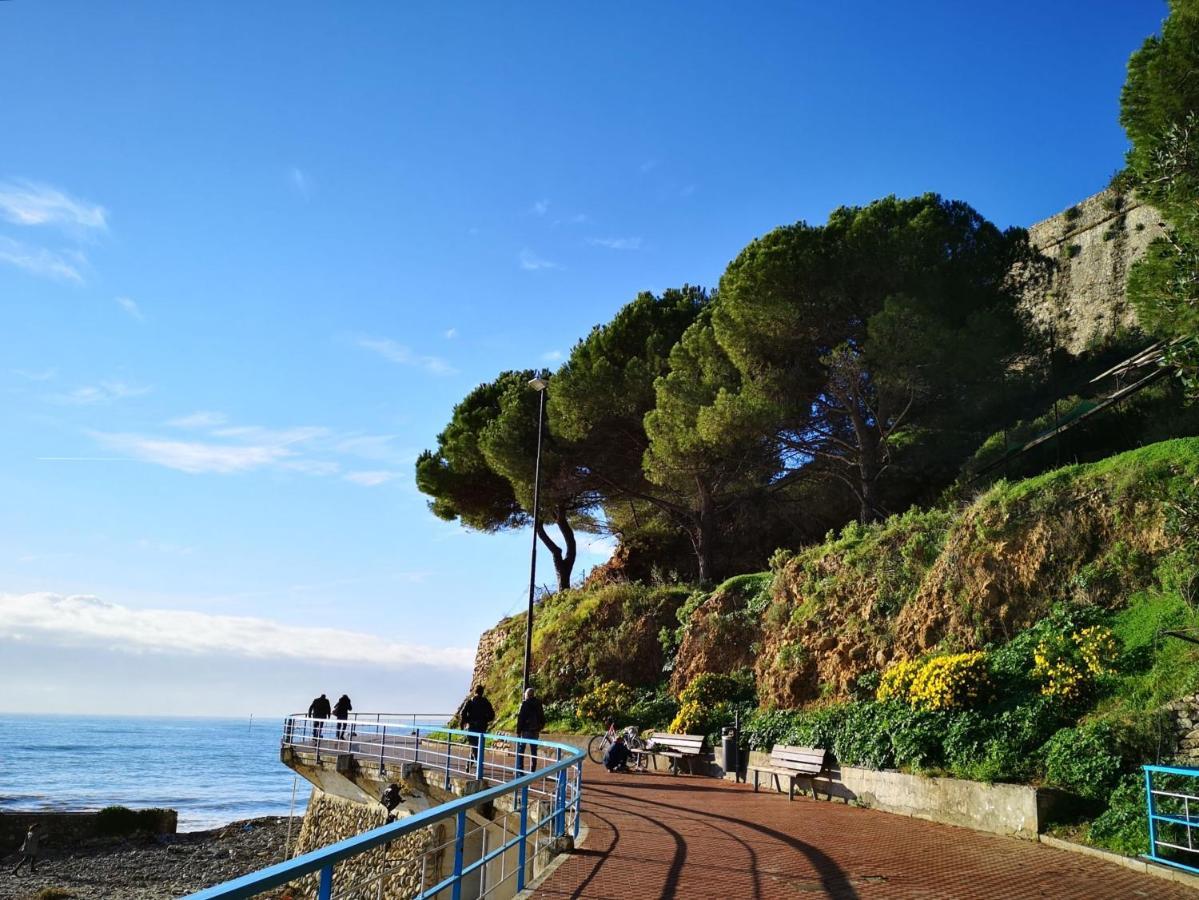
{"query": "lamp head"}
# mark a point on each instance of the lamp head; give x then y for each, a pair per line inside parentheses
(537, 384)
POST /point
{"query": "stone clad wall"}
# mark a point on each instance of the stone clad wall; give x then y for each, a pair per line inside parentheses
(488, 649)
(330, 819)
(1182, 730)
(1093, 245)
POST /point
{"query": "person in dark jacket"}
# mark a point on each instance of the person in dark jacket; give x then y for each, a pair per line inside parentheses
(342, 711)
(475, 715)
(29, 850)
(529, 723)
(319, 709)
(617, 757)
(391, 799)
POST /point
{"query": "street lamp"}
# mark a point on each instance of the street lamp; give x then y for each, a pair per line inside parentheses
(539, 385)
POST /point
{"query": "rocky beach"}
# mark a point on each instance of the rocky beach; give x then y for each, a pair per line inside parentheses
(149, 868)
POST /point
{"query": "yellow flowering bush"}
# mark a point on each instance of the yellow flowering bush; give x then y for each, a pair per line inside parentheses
(691, 719)
(897, 680)
(610, 700)
(956, 681)
(1066, 665)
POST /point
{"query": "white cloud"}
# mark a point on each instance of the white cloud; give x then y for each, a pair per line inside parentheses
(301, 181)
(201, 419)
(576, 219)
(398, 353)
(451, 333)
(104, 392)
(552, 356)
(24, 202)
(531, 262)
(540, 208)
(602, 546)
(43, 262)
(376, 447)
(82, 620)
(629, 243)
(195, 457)
(372, 478)
(36, 375)
(130, 306)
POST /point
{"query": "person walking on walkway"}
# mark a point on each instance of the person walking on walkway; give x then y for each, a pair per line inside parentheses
(529, 723)
(475, 715)
(342, 711)
(319, 709)
(29, 850)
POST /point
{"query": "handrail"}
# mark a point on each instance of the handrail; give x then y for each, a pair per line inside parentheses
(1177, 817)
(566, 798)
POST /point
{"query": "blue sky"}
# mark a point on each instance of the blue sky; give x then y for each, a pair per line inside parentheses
(252, 254)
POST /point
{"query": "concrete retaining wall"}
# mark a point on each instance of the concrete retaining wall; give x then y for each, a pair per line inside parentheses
(65, 829)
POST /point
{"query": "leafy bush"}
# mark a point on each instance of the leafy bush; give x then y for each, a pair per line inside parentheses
(611, 700)
(1068, 665)
(1124, 826)
(762, 729)
(653, 709)
(711, 700)
(896, 682)
(1084, 760)
(956, 681)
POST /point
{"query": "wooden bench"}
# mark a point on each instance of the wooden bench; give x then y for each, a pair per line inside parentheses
(792, 763)
(674, 747)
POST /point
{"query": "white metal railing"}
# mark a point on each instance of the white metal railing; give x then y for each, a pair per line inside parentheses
(541, 806)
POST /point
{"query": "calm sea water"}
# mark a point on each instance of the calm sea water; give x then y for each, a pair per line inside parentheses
(213, 771)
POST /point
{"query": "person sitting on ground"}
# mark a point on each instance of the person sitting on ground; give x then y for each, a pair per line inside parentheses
(617, 757)
(391, 799)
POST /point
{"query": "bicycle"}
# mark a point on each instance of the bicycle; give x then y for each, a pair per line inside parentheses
(597, 747)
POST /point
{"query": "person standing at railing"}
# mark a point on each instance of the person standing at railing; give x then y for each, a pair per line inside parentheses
(319, 709)
(530, 720)
(342, 711)
(475, 714)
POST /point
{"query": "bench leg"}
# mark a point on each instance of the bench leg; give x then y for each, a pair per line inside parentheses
(755, 781)
(791, 789)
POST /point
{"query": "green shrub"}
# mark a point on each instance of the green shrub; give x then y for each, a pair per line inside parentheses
(1124, 826)
(653, 709)
(611, 700)
(764, 728)
(1084, 760)
(53, 893)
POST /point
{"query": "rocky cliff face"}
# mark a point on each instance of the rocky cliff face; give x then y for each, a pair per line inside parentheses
(1093, 245)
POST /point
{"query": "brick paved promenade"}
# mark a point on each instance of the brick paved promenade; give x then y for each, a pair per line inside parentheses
(656, 835)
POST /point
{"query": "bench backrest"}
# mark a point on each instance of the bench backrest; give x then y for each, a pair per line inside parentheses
(682, 743)
(809, 760)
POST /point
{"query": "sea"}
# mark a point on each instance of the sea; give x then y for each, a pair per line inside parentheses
(213, 771)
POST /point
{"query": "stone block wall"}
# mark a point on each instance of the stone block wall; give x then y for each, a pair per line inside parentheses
(330, 819)
(1092, 244)
(1182, 730)
(489, 645)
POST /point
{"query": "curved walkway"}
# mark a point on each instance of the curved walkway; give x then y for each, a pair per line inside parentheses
(656, 835)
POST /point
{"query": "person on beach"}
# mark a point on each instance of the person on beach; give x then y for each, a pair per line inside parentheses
(617, 757)
(342, 711)
(29, 850)
(391, 799)
(475, 714)
(529, 722)
(319, 709)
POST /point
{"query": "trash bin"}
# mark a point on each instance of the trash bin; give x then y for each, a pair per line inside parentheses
(728, 749)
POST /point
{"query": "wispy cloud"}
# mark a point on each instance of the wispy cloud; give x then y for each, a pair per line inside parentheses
(104, 392)
(404, 356)
(648, 166)
(25, 202)
(531, 262)
(42, 262)
(371, 478)
(540, 208)
(576, 219)
(131, 308)
(195, 457)
(613, 243)
(451, 333)
(81, 620)
(36, 375)
(552, 356)
(201, 419)
(301, 181)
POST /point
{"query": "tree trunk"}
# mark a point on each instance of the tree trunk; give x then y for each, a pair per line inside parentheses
(703, 532)
(564, 560)
(869, 468)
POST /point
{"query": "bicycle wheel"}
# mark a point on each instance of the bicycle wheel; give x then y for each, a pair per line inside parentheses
(597, 747)
(634, 742)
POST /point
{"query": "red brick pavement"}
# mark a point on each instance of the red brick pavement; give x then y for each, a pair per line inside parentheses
(658, 835)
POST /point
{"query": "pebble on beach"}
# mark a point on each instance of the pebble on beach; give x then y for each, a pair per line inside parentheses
(151, 868)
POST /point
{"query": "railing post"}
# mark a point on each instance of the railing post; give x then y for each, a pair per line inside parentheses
(459, 846)
(316, 736)
(416, 752)
(560, 803)
(578, 799)
(1149, 809)
(521, 847)
(447, 761)
(325, 891)
(482, 752)
(382, 747)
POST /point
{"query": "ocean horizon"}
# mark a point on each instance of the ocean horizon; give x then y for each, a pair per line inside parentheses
(212, 770)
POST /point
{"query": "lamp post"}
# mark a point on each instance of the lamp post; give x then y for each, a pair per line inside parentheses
(539, 385)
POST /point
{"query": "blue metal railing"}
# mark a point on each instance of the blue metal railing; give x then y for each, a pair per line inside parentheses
(1169, 793)
(557, 785)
